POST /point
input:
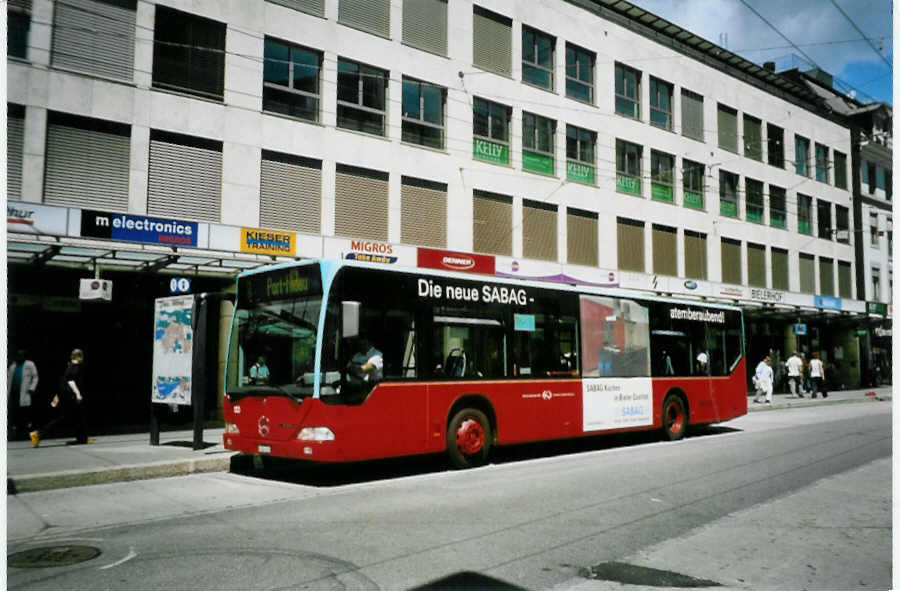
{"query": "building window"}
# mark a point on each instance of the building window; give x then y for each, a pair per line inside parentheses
(579, 73)
(491, 41)
(18, 21)
(664, 240)
(777, 207)
(821, 163)
(188, 53)
(361, 97)
(538, 53)
(873, 230)
(581, 237)
(423, 212)
(628, 167)
(756, 265)
(425, 25)
(372, 16)
(692, 174)
(842, 224)
(871, 174)
(731, 261)
(491, 223)
(538, 143)
(755, 202)
(728, 194)
(780, 271)
(840, 170)
(628, 92)
(801, 155)
(826, 276)
(580, 154)
(660, 103)
(692, 115)
(753, 138)
(775, 145)
(314, 7)
(185, 177)
(539, 230)
(728, 135)
(804, 214)
(889, 186)
(845, 280)
(291, 80)
(359, 190)
(490, 127)
(15, 140)
(95, 36)
(807, 273)
(880, 178)
(290, 193)
(423, 113)
(876, 284)
(630, 242)
(694, 255)
(662, 176)
(823, 211)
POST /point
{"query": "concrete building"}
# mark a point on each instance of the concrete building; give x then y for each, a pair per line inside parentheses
(579, 140)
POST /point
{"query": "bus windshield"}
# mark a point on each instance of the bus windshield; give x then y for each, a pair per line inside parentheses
(272, 348)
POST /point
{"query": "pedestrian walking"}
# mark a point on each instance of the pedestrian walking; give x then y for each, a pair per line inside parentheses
(69, 402)
(795, 374)
(817, 375)
(21, 386)
(763, 380)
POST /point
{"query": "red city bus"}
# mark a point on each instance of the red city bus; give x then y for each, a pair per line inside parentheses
(368, 361)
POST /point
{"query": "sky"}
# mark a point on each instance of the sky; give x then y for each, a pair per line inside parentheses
(816, 27)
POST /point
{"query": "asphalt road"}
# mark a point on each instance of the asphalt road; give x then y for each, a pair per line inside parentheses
(541, 517)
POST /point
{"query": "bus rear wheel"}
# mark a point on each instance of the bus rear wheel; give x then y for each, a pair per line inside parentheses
(674, 417)
(469, 438)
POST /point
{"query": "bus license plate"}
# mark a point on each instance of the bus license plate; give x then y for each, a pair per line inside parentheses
(265, 449)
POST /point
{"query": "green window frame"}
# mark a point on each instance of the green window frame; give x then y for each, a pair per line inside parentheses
(628, 167)
(804, 214)
(538, 143)
(692, 174)
(777, 207)
(628, 91)
(580, 154)
(662, 176)
(490, 131)
(728, 194)
(754, 202)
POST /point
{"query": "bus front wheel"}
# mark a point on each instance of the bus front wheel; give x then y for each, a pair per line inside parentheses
(468, 438)
(674, 417)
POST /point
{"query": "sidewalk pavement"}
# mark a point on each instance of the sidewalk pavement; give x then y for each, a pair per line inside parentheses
(116, 458)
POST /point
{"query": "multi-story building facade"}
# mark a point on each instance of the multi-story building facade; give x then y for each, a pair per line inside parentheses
(580, 140)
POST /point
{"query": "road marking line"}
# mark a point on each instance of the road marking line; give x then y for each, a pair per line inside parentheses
(131, 554)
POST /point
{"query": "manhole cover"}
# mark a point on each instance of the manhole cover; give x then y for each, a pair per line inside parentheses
(52, 556)
(631, 574)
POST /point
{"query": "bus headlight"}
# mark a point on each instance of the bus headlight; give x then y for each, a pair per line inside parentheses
(315, 434)
(232, 429)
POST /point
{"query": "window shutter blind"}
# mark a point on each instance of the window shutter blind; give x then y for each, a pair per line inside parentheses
(492, 41)
(361, 203)
(425, 25)
(315, 7)
(15, 136)
(87, 163)
(630, 235)
(21, 5)
(290, 193)
(692, 115)
(492, 223)
(694, 255)
(665, 250)
(185, 178)
(727, 120)
(373, 16)
(845, 281)
(780, 272)
(581, 237)
(731, 261)
(95, 36)
(539, 231)
(423, 213)
(756, 265)
(826, 276)
(807, 273)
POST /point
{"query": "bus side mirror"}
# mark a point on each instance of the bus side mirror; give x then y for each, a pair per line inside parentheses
(349, 319)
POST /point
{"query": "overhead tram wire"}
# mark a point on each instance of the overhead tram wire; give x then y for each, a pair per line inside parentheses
(869, 41)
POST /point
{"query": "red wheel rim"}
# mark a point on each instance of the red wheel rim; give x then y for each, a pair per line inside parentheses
(470, 437)
(674, 418)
